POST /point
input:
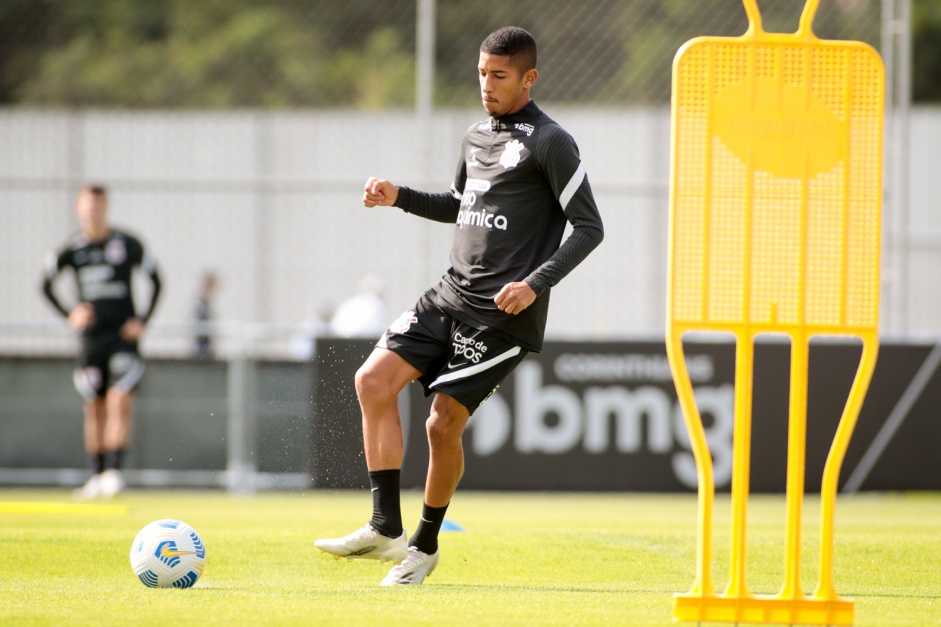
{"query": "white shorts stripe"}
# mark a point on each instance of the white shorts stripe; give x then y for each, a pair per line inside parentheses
(484, 365)
(572, 186)
(83, 386)
(133, 376)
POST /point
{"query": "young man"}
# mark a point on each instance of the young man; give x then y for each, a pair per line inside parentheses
(109, 366)
(519, 180)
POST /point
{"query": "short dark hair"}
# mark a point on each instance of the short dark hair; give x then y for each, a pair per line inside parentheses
(96, 190)
(513, 42)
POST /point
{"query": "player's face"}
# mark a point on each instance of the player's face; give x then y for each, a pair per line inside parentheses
(91, 209)
(503, 88)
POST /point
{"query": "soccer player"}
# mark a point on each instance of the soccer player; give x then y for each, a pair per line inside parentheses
(519, 180)
(109, 365)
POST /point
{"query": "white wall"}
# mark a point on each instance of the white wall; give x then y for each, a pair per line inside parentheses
(271, 202)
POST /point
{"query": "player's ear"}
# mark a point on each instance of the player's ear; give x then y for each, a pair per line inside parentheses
(529, 77)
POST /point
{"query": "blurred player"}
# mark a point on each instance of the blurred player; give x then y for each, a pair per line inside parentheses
(109, 365)
(203, 314)
(519, 180)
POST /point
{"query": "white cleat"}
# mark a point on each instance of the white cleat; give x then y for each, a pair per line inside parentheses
(110, 483)
(366, 544)
(413, 570)
(90, 490)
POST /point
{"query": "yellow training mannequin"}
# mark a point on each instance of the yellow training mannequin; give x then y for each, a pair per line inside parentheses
(775, 227)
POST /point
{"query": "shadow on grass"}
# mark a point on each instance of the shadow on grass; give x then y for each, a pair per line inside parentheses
(853, 595)
(635, 591)
(510, 588)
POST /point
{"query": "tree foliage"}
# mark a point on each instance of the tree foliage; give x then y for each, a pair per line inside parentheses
(207, 54)
(926, 41)
(361, 53)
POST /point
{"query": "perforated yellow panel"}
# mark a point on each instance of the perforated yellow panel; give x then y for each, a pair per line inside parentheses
(777, 184)
(775, 226)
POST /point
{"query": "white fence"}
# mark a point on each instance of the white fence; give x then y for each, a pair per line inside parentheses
(270, 202)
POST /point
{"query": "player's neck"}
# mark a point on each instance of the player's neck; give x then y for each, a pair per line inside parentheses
(519, 107)
(96, 233)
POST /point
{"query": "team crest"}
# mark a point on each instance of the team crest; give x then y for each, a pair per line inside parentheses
(511, 154)
(93, 377)
(115, 252)
(403, 322)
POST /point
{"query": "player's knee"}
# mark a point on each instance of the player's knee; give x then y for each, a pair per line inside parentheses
(119, 395)
(364, 381)
(437, 430)
(370, 384)
(443, 428)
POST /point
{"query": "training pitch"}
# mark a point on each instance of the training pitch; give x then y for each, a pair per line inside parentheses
(521, 559)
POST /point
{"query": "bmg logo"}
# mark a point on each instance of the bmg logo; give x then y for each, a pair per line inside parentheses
(584, 418)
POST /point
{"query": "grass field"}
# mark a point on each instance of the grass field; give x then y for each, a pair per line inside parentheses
(522, 559)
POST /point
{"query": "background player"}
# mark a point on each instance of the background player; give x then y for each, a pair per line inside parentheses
(109, 365)
(519, 180)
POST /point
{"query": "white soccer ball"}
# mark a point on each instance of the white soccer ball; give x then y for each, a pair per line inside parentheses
(168, 554)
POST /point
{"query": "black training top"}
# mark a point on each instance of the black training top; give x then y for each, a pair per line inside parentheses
(519, 179)
(103, 271)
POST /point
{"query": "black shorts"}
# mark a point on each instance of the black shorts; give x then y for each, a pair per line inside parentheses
(106, 361)
(455, 358)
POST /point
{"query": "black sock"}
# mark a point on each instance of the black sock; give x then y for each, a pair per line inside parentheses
(98, 463)
(425, 538)
(386, 506)
(115, 458)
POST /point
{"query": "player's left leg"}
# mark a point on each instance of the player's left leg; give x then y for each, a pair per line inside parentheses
(126, 370)
(478, 363)
(444, 427)
(90, 381)
(95, 417)
(120, 411)
(94, 429)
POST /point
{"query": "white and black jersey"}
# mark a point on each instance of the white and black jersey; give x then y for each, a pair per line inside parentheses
(519, 179)
(103, 272)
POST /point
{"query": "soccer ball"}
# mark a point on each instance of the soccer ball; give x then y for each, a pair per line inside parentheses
(168, 554)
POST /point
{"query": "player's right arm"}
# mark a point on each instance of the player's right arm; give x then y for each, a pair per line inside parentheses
(82, 316)
(54, 265)
(438, 207)
(379, 192)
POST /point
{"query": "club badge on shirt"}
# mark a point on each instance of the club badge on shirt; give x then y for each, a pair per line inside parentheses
(511, 154)
(115, 252)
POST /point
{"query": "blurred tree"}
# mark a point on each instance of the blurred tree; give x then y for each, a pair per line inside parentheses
(360, 53)
(926, 41)
(28, 28)
(612, 53)
(380, 74)
(208, 54)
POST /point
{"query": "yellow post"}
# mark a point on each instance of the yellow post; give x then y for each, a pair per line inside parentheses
(796, 455)
(775, 227)
(741, 463)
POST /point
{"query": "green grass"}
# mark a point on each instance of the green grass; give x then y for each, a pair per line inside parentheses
(523, 559)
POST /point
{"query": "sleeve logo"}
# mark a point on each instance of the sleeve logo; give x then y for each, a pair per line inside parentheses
(526, 128)
(403, 322)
